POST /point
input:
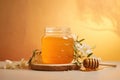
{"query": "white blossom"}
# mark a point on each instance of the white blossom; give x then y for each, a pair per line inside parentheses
(83, 48)
(86, 49)
(74, 36)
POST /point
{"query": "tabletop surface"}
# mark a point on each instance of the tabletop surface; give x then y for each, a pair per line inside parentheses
(108, 73)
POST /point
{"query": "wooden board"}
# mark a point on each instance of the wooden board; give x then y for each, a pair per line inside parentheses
(54, 67)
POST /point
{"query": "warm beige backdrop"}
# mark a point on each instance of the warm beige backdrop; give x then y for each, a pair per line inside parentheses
(22, 24)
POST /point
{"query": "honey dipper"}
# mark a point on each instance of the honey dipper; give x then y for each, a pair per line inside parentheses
(93, 63)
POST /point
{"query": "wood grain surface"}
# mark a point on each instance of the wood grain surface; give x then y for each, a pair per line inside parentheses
(54, 67)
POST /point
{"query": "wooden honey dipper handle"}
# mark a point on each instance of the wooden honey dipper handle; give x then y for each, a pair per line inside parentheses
(106, 64)
(92, 63)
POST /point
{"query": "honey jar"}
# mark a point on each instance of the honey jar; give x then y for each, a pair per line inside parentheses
(57, 45)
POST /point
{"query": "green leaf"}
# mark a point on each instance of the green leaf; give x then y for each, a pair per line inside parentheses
(89, 54)
(80, 40)
(36, 51)
(29, 61)
(75, 49)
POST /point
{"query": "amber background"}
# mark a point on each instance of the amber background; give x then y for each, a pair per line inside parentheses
(22, 24)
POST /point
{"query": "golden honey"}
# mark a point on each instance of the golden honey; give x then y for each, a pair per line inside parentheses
(57, 46)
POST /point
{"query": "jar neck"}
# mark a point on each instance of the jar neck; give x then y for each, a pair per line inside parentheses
(57, 31)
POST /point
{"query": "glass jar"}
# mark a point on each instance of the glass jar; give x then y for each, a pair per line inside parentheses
(57, 46)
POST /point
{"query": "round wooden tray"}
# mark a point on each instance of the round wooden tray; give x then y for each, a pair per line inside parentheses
(54, 67)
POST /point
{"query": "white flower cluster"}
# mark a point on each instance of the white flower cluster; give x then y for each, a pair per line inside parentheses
(22, 64)
(81, 50)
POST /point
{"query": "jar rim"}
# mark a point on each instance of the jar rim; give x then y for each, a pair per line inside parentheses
(58, 29)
